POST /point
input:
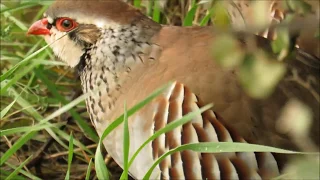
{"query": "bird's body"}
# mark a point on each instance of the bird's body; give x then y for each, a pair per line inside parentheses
(124, 58)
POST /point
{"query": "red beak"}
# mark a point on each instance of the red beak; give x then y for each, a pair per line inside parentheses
(39, 28)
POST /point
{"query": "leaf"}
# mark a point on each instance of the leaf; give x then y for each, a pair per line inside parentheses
(5, 110)
(281, 44)
(220, 15)
(156, 11)
(298, 6)
(101, 169)
(302, 168)
(137, 3)
(260, 76)
(37, 127)
(131, 111)
(16, 171)
(134, 109)
(190, 16)
(70, 156)
(126, 143)
(218, 147)
(206, 19)
(168, 128)
(89, 170)
(226, 51)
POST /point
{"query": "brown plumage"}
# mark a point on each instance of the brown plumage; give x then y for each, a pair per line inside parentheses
(133, 56)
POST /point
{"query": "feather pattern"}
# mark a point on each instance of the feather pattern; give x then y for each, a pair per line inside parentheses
(176, 102)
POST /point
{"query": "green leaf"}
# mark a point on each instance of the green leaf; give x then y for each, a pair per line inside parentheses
(20, 64)
(298, 6)
(5, 110)
(80, 121)
(131, 111)
(17, 8)
(156, 11)
(134, 109)
(226, 51)
(23, 172)
(16, 171)
(37, 127)
(188, 20)
(259, 76)
(101, 169)
(17, 145)
(168, 128)
(126, 143)
(70, 156)
(206, 19)
(218, 147)
(89, 170)
(281, 44)
(302, 168)
(4, 174)
(137, 3)
(221, 17)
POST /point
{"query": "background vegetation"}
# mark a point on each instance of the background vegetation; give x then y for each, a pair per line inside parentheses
(45, 129)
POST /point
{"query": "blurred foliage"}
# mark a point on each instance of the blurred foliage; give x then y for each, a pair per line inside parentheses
(301, 168)
(226, 51)
(260, 75)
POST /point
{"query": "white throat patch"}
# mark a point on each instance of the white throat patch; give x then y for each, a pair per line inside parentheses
(64, 48)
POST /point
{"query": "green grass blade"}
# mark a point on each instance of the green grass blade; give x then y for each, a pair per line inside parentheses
(206, 19)
(16, 171)
(4, 174)
(37, 127)
(20, 64)
(218, 147)
(101, 169)
(17, 8)
(17, 76)
(23, 172)
(126, 143)
(81, 122)
(89, 170)
(168, 128)
(17, 145)
(134, 109)
(137, 3)
(156, 11)
(5, 110)
(36, 115)
(188, 21)
(70, 156)
(131, 111)
(22, 102)
(66, 136)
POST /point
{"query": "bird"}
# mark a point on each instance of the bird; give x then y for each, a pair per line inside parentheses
(122, 56)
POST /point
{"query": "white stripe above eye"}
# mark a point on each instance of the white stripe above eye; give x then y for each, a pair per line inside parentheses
(50, 19)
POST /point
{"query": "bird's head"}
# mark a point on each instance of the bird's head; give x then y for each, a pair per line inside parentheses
(74, 25)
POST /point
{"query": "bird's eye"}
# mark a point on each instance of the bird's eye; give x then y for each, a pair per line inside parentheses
(65, 24)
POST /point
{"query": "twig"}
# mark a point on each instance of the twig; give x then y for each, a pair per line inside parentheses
(66, 152)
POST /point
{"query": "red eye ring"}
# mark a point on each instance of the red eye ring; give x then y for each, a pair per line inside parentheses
(65, 24)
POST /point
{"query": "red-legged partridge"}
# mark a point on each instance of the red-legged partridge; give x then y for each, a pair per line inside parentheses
(123, 56)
